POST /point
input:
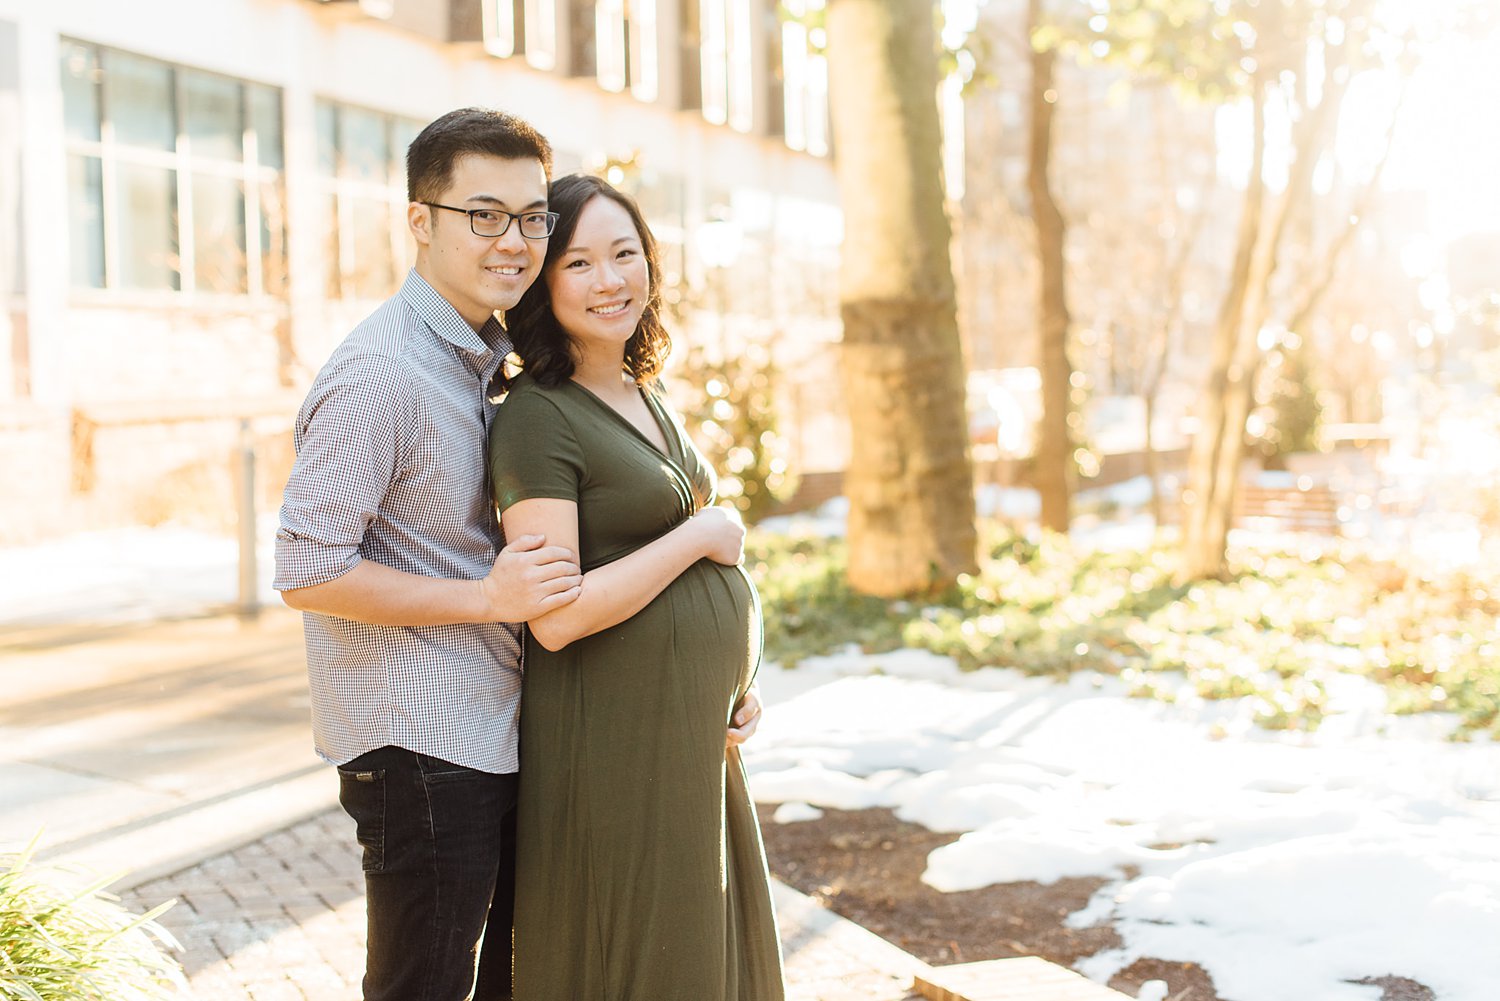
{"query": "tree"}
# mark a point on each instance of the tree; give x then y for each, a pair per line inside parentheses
(909, 483)
(1131, 173)
(1053, 473)
(1266, 54)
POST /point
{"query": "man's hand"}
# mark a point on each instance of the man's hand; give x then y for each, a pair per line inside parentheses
(530, 579)
(746, 718)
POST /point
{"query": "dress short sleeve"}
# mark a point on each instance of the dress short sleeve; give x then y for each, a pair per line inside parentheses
(534, 450)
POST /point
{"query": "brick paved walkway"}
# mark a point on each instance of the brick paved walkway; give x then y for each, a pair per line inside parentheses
(283, 919)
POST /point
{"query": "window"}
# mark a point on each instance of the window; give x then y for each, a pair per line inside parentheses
(714, 58)
(174, 176)
(612, 45)
(725, 53)
(522, 28)
(625, 45)
(641, 28)
(362, 176)
(540, 29)
(505, 26)
(804, 80)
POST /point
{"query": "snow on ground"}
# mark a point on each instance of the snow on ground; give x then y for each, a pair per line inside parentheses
(1285, 865)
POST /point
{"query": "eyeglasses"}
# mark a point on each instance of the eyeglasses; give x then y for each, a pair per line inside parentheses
(490, 223)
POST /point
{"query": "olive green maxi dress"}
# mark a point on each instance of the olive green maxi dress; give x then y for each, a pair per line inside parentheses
(640, 871)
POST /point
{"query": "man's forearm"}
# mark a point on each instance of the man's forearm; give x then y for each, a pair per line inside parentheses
(378, 595)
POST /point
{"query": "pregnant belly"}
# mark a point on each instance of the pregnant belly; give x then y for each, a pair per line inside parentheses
(676, 667)
(707, 620)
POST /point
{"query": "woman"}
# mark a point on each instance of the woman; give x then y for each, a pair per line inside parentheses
(641, 875)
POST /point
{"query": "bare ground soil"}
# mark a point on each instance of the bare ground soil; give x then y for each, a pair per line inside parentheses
(867, 866)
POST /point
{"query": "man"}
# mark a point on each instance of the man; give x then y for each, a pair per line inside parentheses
(389, 546)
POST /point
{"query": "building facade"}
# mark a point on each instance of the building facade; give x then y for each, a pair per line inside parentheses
(197, 200)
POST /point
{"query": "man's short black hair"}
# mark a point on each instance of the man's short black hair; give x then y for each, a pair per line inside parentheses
(468, 132)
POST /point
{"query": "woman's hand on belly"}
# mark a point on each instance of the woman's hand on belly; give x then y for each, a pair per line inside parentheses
(723, 534)
(612, 593)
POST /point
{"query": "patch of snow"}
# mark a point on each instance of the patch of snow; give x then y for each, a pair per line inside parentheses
(793, 813)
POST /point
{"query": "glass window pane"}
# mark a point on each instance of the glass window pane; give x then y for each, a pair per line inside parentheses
(273, 269)
(362, 141)
(265, 119)
(374, 271)
(328, 139)
(80, 84)
(86, 221)
(138, 100)
(146, 223)
(218, 234)
(215, 120)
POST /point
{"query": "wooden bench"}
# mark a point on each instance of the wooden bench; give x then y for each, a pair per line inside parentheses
(1301, 507)
(1027, 978)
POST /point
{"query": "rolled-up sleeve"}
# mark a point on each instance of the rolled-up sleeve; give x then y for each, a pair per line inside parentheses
(354, 438)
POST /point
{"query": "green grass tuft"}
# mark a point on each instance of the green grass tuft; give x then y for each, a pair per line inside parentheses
(62, 939)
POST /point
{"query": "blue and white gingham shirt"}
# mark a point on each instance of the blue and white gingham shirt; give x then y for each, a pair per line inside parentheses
(391, 467)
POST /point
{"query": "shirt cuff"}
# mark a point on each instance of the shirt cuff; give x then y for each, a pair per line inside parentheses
(303, 562)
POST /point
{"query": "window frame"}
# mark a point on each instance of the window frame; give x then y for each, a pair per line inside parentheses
(112, 155)
(347, 192)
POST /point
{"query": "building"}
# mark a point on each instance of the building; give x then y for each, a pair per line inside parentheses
(197, 200)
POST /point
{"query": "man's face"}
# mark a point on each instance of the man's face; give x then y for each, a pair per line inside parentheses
(479, 275)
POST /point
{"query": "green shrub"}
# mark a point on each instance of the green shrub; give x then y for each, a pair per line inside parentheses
(62, 941)
(1277, 632)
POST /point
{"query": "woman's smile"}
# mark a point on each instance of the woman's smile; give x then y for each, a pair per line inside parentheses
(599, 285)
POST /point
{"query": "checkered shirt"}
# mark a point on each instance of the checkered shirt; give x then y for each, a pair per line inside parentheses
(391, 467)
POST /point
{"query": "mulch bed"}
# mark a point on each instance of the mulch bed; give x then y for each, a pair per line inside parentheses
(867, 866)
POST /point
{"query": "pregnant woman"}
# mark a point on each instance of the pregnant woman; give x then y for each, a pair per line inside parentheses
(640, 875)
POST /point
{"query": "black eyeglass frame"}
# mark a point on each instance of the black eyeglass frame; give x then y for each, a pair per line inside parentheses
(552, 218)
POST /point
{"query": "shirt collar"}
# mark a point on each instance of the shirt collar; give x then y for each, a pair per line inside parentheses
(486, 347)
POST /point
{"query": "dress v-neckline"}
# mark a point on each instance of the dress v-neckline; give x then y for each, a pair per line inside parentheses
(667, 433)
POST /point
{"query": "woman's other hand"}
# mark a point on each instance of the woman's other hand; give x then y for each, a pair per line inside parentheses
(746, 718)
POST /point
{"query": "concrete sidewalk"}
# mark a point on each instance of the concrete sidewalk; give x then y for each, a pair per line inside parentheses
(180, 751)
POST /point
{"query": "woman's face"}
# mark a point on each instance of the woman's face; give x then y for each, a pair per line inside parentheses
(599, 283)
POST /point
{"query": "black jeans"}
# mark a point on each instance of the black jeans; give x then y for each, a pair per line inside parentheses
(440, 866)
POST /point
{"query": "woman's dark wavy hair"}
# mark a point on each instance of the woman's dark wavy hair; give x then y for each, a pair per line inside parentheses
(539, 339)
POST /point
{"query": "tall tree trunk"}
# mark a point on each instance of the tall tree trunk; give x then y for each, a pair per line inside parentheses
(1210, 496)
(1054, 445)
(1218, 446)
(910, 486)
